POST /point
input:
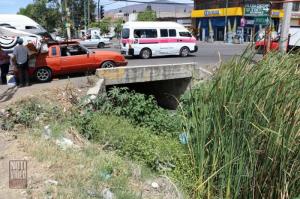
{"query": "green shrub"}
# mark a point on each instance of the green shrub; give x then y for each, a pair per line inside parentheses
(244, 126)
(138, 109)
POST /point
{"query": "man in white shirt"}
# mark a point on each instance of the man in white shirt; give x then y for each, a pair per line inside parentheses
(21, 59)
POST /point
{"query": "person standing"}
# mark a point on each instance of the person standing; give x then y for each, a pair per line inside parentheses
(21, 54)
(4, 64)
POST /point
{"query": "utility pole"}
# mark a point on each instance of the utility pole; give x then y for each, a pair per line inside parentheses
(98, 10)
(226, 19)
(286, 23)
(67, 11)
(88, 13)
(85, 17)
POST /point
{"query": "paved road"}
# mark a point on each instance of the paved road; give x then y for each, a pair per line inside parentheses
(207, 55)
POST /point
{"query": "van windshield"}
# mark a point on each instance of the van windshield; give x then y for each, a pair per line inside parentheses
(125, 33)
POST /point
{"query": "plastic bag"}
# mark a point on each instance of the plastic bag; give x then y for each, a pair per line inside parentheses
(44, 48)
(11, 80)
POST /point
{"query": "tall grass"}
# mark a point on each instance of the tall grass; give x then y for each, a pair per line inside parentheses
(244, 129)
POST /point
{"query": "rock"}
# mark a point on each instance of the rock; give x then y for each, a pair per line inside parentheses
(64, 143)
(47, 132)
(154, 185)
(92, 193)
(107, 194)
(51, 182)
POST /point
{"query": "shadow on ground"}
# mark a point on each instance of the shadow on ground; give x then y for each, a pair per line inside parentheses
(8, 94)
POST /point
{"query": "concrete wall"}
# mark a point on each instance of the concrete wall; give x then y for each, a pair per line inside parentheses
(166, 82)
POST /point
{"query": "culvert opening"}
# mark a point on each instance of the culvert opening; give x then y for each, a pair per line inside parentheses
(166, 92)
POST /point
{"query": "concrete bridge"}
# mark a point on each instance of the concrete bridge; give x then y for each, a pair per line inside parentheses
(166, 82)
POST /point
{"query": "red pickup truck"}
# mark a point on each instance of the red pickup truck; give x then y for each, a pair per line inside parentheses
(71, 57)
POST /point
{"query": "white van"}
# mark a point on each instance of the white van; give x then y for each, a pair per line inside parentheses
(149, 39)
(21, 22)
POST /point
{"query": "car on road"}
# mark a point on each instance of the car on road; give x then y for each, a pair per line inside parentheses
(292, 45)
(71, 57)
(96, 41)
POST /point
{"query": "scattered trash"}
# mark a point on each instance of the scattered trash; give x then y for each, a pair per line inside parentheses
(11, 80)
(51, 182)
(184, 138)
(105, 175)
(64, 143)
(92, 193)
(47, 132)
(107, 194)
(155, 185)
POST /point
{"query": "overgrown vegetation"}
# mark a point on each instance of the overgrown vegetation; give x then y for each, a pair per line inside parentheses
(139, 109)
(244, 129)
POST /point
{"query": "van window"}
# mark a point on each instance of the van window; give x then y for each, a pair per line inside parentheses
(172, 33)
(185, 34)
(30, 27)
(145, 33)
(164, 33)
(125, 33)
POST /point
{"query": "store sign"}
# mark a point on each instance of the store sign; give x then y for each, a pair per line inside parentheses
(261, 20)
(257, 10)
(211, 12)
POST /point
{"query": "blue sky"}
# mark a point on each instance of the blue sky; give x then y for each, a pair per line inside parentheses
(13, 6)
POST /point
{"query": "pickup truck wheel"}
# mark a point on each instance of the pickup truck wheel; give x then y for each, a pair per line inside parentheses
(43, 74)
(101, 45)
(108, 64)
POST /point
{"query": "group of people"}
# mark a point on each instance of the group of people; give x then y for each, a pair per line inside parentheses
(20, 58)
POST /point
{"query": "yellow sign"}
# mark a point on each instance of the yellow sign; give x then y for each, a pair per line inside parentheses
(235, 11)
(276, 13)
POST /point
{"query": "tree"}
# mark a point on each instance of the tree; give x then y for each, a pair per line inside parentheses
(44, 12)
(118, 26)
(147, 15)
(104, 25)
(47, 13)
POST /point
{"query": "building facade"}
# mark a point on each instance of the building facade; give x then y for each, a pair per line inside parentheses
(295, 21)
(219, 20)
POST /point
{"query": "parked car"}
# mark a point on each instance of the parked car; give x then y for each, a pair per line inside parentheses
(96, 42)
(261, 45)
(294, 42)
(71, 57)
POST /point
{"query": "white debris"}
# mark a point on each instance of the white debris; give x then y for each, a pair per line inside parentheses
(107, 194)
(64, 143)
(47, 132)
(51, 182)
(155, 185)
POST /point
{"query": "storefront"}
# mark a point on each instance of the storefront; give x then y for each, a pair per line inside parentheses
(295, 21)
(210, 23)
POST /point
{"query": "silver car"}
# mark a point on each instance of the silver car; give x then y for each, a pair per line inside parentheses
(96, 42)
